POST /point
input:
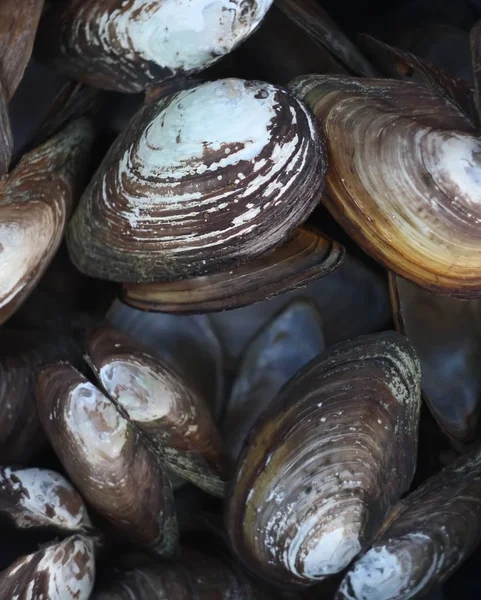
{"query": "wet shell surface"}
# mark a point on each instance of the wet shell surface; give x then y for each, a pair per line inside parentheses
(105, 458)
(439, 527)
(36, 200)
(63, 571)
(409, 195)
(206, 179)
(129, 46)
(326, 461)
(173, 418)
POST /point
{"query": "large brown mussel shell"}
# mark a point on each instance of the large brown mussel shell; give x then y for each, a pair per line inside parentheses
(327, 460)
(404, 177)
(438, 527)
(171, 415)
(105, 458)
(130, 46)
(208, 178)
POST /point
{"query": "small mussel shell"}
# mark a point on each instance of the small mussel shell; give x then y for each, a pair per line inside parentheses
(410, 194)
(35, 202)
(173, 418)
(208, 178)
(62, 571)
(438, 528)
(306, 256)
(41, 498)
(326, 461)
(284, 345)
(130, 46)
(105, 458)
(446, 334)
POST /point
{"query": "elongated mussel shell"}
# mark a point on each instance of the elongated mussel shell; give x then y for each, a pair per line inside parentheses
(409, 193)
(62, 571)
(446, 334)
(284, 345)
(189, 344)
(21, 354)
(35, 203)
(129, 46)
(208, 178)
(105, 458)
(173, 417)
(41, 498)
(306, 256)
(439, 527)
(326, 461)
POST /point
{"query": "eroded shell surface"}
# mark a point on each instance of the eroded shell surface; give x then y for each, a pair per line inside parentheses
(326, 461)
(208, 178)
(129, 46)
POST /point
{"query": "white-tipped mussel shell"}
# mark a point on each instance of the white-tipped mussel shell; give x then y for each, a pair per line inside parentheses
(35, 202)
(410, 193)
(62, 571)
(326, 461)
(446, 334)
(161, 404)
(438, 528)
(110, 465)
(203, 180)
(130, 46)
(291, 339)
(189, 344)
(41, 498)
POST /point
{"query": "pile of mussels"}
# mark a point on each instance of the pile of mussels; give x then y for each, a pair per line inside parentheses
(202, 396)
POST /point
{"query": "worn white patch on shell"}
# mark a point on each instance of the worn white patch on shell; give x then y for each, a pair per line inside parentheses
(180, 34)
(95, 422)
(143, 392)
(22, 246)
(387, 572)
(45, 491)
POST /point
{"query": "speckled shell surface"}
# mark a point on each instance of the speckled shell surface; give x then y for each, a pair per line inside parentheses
(409, 192)
(129, 45)
(103, 455)
(326, 461)
(208, 178)
(62, 571)
(439, 527)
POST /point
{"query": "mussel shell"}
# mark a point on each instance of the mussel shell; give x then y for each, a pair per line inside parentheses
(189, 344)
(208, 178)
(41, 498)
(306, 256)
(171, 415)
(128, 47)
(410, 193)
(284, 345)
(35, 202)
(326, 461)
(438, 528)
(446, 334)
(62, 571)
(106, 459)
